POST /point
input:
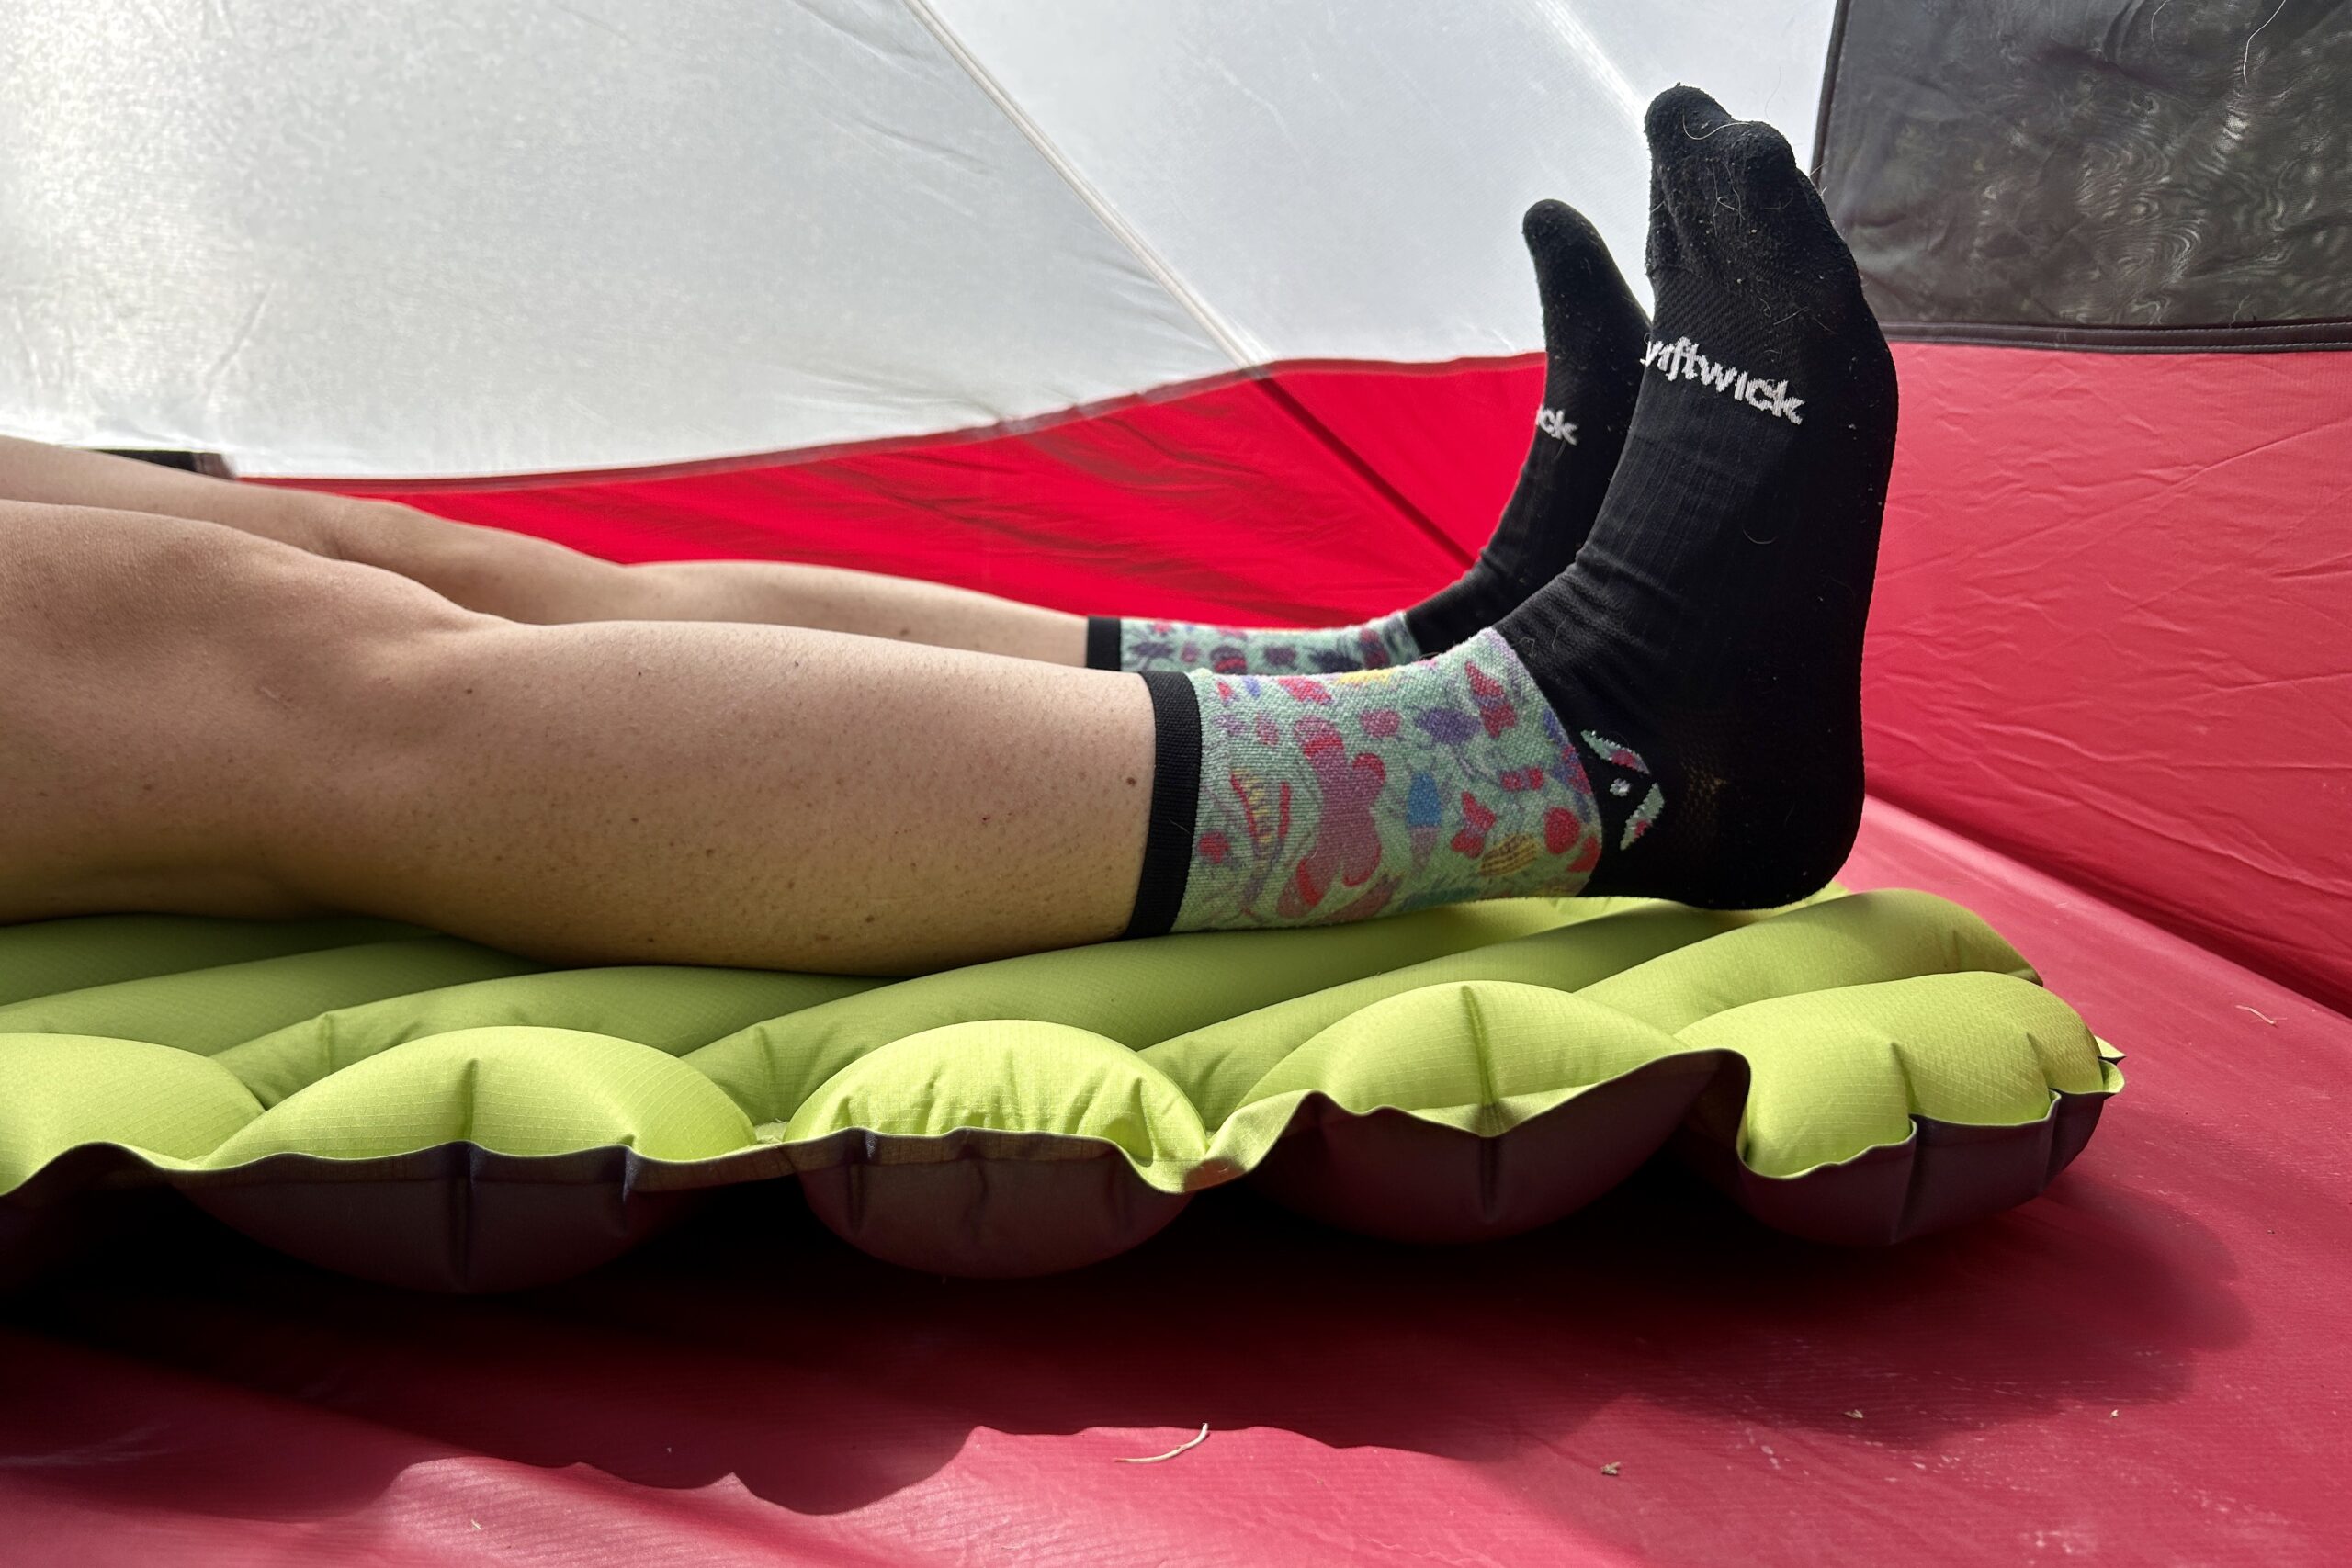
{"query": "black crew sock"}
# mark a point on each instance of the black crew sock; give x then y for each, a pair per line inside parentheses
(1592, 371)
(1708, 640)
(1593, 365)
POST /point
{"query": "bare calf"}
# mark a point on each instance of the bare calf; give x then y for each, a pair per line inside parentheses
(200, 720)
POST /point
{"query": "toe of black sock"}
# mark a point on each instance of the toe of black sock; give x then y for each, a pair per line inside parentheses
(1585, 296)
(1726, 194)
(1683, 111)
(1556, 229)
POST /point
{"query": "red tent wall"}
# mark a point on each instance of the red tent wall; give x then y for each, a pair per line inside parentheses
(1197, 503)
(2110, 632)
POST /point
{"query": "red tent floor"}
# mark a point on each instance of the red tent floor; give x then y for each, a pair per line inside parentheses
(2148, 1364)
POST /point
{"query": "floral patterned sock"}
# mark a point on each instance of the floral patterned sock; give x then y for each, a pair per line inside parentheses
(1592, 347)
(1338, 797)
(1239, 650)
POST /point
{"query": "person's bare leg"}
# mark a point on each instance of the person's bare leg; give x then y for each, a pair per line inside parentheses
(520, 578)
(202, 720)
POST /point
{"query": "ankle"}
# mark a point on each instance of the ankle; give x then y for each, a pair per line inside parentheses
(1742, 838)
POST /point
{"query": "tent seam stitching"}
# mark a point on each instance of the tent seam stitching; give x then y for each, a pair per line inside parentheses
(1209, 321)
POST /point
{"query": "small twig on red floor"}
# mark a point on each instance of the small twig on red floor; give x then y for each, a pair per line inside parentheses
(1171, 1453)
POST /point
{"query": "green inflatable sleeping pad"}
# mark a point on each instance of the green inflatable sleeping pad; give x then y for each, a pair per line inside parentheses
(420, 1110)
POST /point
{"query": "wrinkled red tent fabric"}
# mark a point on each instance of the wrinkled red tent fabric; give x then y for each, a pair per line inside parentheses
(2145, 1365)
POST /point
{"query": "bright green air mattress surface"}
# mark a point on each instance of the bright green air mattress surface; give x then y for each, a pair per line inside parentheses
(421, 1110)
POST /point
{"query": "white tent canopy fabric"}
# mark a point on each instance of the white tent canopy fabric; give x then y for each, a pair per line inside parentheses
(401, 238)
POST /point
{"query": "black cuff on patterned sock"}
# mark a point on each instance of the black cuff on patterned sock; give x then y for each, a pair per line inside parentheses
(1175, 802)
(1101, 642)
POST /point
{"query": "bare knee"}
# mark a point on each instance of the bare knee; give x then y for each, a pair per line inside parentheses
(132, 593)
(493, 571)
(179, 696)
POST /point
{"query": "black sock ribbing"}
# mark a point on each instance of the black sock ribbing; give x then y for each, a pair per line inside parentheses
(1712, 626)
(1101, 642)
(1175, 803)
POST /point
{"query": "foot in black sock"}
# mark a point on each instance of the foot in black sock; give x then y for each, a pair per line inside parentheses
(1592, 370)
(1707, 641)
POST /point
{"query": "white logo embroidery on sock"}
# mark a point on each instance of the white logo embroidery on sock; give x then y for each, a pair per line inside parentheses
(1681, 360)
(1556, 425)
